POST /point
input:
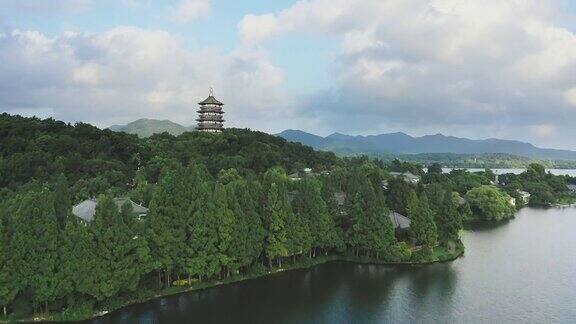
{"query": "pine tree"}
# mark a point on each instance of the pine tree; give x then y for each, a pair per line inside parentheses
(310, 205)
(248, 233)
(118, 249)
(62, 204)
(422, 227)
(436, 197)
(276, 239)
(167, 219)
(225, 221)
(202, 246)
(78, 261)
(9, 278)
(371, 229)
(142, 193)
(256, 232)
(34, 246)
(449, 221)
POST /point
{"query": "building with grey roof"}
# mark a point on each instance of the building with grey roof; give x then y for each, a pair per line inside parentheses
(407, 176)
(86, 209)
(399, 221)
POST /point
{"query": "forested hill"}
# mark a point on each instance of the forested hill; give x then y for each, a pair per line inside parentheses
(400, 143)
(221, 208)
(145, 127)
(96, 160)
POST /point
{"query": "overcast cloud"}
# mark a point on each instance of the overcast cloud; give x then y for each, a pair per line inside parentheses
(474, 68)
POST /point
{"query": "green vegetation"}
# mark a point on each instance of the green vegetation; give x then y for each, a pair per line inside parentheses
(545, 188)
(147, 127)
(481, 160)
(490, 203)
(221, 208)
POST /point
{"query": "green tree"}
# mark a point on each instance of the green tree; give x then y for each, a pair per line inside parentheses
(489, 203)
(310, 207)
(422, 227)
(121, 253)
(9, 278)
(35, 242)
(276, 215)
(370, 226)
(167, 219)
(225, 221)
(203, 246)
(449, 221)
(78, 262)
(62, 204)
(397, 194)
(435, 168)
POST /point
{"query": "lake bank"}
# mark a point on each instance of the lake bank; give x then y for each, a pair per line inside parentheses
(441, 255)
(518, 271)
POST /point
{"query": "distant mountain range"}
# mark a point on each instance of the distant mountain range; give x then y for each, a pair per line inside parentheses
(392, 143)
(400, 143)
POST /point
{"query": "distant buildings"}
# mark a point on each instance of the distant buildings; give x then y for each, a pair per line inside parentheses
(571, 187)
(524, 196)
(87, 209)
(408, 176)
(210, 115)
(306, 172)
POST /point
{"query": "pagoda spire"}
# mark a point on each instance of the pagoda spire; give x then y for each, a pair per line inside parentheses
(210, 114)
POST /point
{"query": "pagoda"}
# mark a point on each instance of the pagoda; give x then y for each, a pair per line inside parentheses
(210, 115)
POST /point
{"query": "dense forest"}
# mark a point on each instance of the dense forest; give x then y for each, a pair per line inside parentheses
(221, 207)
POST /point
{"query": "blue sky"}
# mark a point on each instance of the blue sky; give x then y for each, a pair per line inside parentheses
(471, 68)
(306, 69)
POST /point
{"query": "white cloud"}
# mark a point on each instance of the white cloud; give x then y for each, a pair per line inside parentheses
(439, 65)
(570, 96)
(126, 73)
(188, 10)
(45, 6)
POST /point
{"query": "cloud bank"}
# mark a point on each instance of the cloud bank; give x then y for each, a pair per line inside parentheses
(475, 68)
(127, 72)
(484, 68)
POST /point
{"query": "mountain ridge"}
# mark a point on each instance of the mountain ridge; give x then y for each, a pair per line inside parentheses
(401, 143)
(388, 143)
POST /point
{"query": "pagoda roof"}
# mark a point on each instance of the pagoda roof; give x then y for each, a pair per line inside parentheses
(211, 101)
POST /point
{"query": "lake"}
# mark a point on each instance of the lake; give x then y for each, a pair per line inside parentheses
(521, 271)
(569, 172)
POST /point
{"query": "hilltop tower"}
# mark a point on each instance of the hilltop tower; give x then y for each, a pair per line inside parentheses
(210, 115)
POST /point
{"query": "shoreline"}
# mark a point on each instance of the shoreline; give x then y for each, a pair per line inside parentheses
(172, 291)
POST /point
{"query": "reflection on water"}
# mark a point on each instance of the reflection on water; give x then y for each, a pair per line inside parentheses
(522, 270)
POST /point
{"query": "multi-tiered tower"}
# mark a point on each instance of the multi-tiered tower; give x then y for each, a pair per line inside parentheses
(210, 115)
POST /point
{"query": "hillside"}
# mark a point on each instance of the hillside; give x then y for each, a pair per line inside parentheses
(95, 160)
(147, 127)
(400, 143)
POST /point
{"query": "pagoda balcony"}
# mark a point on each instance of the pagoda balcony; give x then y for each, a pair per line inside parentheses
(209, 126)
(216, 110)
(210, 118)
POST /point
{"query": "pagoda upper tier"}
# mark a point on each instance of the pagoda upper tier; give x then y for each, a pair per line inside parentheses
(210, 117)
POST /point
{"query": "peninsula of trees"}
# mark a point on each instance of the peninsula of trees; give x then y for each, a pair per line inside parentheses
(222, 207)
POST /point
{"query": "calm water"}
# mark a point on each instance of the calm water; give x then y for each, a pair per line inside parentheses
(569, 172)
(522, 271)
